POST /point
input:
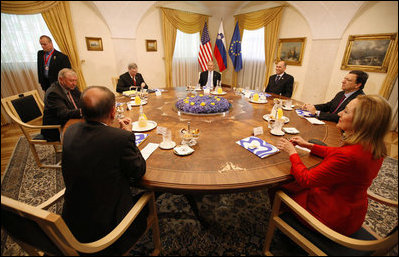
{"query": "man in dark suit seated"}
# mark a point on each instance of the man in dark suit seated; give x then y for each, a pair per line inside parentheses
(49, 63)
(352, 86)
(280, 83)
(131, 80)
(61, 103)
(209, 76)
(99, 165)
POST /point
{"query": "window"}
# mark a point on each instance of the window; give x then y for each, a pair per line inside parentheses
(20, 37)
(185, 66)
(252, 74)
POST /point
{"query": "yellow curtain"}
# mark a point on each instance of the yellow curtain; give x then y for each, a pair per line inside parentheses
(270, 20)
(171, 21)
(59, 21)
(392, 72)
(57, 16)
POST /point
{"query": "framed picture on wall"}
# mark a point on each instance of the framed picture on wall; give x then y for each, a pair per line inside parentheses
(370, 52)
(151, 45)
(291, 50)
(94, 43)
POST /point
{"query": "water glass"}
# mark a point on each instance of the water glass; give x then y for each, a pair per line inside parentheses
(167, 137)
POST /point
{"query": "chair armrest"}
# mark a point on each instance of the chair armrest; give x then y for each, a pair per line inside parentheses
(365, 245)
(51, 200)
(381, 199)
(117, 232)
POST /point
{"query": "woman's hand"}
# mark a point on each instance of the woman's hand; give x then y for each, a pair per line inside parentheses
(286, 146)
(297, 140)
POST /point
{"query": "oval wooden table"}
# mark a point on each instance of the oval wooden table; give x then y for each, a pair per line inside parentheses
(219, 164)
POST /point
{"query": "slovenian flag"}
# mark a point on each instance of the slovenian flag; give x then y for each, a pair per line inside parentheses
(220, 49)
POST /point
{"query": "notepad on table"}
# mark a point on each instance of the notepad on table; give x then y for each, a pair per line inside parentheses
(258, 146)
(315, 121)
(140, 137)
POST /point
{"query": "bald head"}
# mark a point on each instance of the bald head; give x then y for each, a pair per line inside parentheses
(97, 103)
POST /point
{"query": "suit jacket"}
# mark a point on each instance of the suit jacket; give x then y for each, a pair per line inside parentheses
(57, 63)
(58, 109)
(335, 191)
(99, 164)
(204, 78)
(125, 82)
(283, 87)
(327, 108)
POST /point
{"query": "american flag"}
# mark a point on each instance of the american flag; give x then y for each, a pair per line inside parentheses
(205, 53)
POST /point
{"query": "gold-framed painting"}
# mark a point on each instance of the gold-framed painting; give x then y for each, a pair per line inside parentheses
(94, 43)
(151, 45)
(291, 50)
(369, 52)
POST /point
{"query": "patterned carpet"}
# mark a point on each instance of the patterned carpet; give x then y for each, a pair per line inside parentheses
(237, 222)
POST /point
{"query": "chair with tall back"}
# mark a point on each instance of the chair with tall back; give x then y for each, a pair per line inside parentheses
(39, 231)
(27, 111)
(326, 241)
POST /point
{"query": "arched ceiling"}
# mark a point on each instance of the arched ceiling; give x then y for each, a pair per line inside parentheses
(326, 19)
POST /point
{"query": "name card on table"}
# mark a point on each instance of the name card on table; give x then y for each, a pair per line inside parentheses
(258, 131)
(315, 121)
(147, 151)
(158, 92)
(258, 146)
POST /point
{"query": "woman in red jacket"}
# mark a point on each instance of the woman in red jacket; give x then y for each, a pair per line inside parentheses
(335, 191)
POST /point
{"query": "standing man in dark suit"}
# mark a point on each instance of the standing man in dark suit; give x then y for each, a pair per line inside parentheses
(352, 86)
(131, 80)
(61, 103)
(209, 76)
(99, 165)
(49, 63)
(281, 83)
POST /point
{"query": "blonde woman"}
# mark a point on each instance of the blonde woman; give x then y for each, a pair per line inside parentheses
(335, 191)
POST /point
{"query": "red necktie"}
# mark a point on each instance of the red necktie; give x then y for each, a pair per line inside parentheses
(71, 99)
(343, 98)
(134, 80)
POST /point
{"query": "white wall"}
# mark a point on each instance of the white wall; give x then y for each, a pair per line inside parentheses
(98, 66)
(319, 77)
(375, 18)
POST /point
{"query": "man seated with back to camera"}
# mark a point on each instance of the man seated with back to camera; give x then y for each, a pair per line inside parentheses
(101, 164)
(61, 103)
(131, 80)
(352, 86)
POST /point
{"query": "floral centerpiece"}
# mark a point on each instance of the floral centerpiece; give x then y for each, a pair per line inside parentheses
(203, 104)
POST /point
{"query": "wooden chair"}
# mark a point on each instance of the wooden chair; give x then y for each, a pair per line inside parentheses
(39, 231)
(326, 241)
(114, 82)
(294, 88)
(27, 110)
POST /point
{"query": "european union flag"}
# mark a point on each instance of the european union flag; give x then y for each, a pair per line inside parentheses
(235, 49)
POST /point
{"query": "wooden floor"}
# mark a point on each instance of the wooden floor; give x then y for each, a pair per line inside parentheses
(10, 134)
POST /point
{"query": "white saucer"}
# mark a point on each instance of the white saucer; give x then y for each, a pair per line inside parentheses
(267, 118)
(183, 150)
(277, 134)
(258, 102)
(164, 146)
(216, 93)
(133, 103)
(150, 125)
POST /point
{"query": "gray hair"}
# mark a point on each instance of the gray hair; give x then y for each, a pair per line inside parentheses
(62, 73)
(132, 66)
(44, 36)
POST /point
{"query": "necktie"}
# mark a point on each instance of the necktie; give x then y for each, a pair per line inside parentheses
(277, 78)
(210, 79)
(134, 81)
(342, 99)
(71, 99)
